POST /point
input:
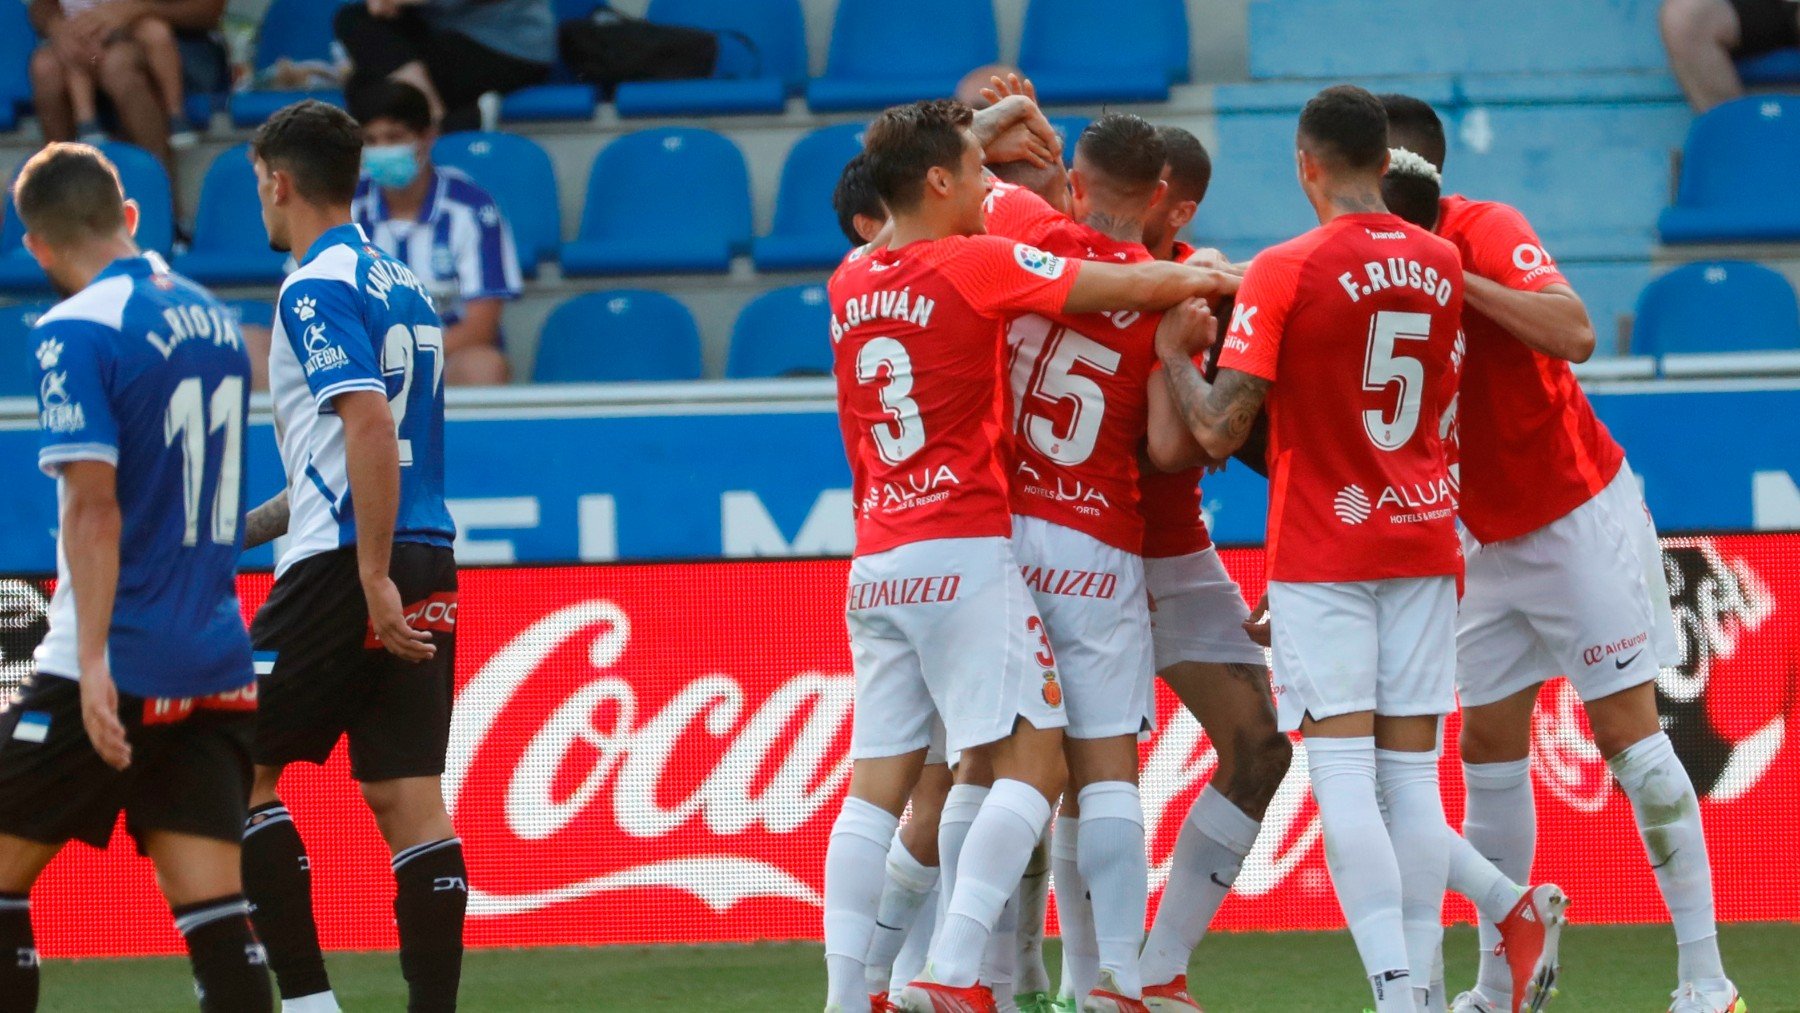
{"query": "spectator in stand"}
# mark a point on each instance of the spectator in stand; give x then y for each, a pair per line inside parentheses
(144, 55)
(455, 51)
(441, 224)
(1704, 37)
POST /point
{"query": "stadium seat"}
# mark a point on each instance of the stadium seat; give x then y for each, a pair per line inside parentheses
(762, 59)
(878, 59)
(562, 97)
(17, 40)
(17, 371)
(519, 176)
(297, 30)
(806, 233)
(785, 332)
(669, 200)
(618, 336)
(1777, 68)
(1091, 51)
(145, 182)
(1610, 289)
(1737, 174)
(230, 246)
(1717, 306)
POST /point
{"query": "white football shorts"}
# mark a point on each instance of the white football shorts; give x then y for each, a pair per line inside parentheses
(1197, 612)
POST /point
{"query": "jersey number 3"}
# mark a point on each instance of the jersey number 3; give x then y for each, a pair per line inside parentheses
(191, 419)
(904, 436)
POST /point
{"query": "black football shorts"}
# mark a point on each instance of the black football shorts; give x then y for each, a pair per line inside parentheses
(1765, 25)
(329, 677)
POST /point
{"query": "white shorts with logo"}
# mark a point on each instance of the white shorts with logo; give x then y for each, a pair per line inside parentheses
(1092, 598)
(1197, 612)
(1584, 596)
(945, 628)
(1387, 646)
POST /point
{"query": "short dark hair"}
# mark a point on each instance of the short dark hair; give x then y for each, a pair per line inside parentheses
(69, 192)
(855, 195)
(392, 100)
(319, 145)
(1414, 125)
(1126, 149)
(1413, 197)
(906, 142)
(1345, 126)
(1190, 167)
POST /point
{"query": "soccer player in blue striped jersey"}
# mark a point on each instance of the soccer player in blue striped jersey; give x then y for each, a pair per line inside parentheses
(359, 631)
(143, 698)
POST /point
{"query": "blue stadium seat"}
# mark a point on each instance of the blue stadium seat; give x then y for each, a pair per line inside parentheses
(252, 312)
(145, 182)
(786, 332)
(17, 370)
(1717, 306)
(1737, 174)
(519, 176)
(1087, 51)
(562, 97)
(618, 336)
(675, 199)
(762, 59)
(1180, 39)
(297, 30)
(879, 58)
(1777, 68)
(806, 233)
(230, 246)
(17, 40)
(1610, 289)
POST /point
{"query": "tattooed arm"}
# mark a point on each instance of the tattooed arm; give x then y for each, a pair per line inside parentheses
(1219, 414)
(267, 522)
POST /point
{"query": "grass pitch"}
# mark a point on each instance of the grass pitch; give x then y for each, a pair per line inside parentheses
(1604, 969)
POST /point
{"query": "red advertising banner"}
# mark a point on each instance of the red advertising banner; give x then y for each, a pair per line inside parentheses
(655, 753)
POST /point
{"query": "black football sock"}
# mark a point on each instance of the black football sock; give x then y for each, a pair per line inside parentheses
(230, 972)
(278, 880)
(18, 955)
(431, 893)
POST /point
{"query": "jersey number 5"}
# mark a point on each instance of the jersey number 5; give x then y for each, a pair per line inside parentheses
(187, 421)
(905, 434)
(1384, 366)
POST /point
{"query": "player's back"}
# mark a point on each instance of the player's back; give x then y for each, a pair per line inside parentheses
(353, 318)
(147, 369)
(1355, 322)
(916, 338)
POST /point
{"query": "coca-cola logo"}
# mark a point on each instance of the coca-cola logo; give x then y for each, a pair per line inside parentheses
(781, 766)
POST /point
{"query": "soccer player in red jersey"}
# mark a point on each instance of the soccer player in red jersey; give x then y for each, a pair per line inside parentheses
(940, 619)
(1347, 333)
(1202, 653)
(1565, 577)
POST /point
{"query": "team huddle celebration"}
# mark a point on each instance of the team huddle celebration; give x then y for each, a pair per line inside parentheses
(1438, 603)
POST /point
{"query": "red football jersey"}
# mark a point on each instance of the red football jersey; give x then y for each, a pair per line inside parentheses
(916, 336)
(1170, 501)
(1354, 324)
(1532, 448)
(1079, 405)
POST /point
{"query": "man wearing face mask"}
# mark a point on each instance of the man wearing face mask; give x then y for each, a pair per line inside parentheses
(444, 226)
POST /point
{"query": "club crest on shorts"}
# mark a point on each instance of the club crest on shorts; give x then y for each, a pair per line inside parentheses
(1053, 694)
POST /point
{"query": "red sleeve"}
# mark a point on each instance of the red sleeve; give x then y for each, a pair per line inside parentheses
(1016, 213)
(1503, 247)
(1253, 341)
(1001, 278)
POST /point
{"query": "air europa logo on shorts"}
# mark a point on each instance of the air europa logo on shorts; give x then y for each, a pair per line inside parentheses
(1600, 652)
(1046, 265)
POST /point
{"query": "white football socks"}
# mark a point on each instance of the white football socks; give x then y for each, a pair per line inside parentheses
(853, 880)
(910, 964)
(960, 808)
(999, 965)
(1111, 854)
(1074, 911)
(988, 869)
(1360, 856)
(1034, 896)
(1421, 841)
(909, 885)
(1668, 816)
(1500, 823)
(1209, 852)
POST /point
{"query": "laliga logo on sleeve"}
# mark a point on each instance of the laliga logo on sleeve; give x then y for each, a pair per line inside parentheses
(49, 353)
(1044, 265)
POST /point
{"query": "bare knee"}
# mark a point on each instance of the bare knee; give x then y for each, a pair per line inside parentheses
(1491, 739)
(153, 32)
(121, 71)
(263, 788)
(48, 75)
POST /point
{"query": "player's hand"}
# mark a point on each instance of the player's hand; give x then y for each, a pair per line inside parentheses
(1187, 329)
(1014, 129)
(1257, 626)
(388, 617)
(1012, 84)
(100, 716)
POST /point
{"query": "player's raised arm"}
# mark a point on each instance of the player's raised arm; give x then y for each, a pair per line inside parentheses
(1552, 320)
(372, 461)
(1151, 286)
(91, 526)
(1169, 444)
(1219, 415)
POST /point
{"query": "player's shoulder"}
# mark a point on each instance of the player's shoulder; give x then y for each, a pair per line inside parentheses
(1459, 215)
(339, 262)
(101, 304)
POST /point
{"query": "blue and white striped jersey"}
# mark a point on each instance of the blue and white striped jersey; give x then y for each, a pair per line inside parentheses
(146, 371)
(460, 246)
(352, 318)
